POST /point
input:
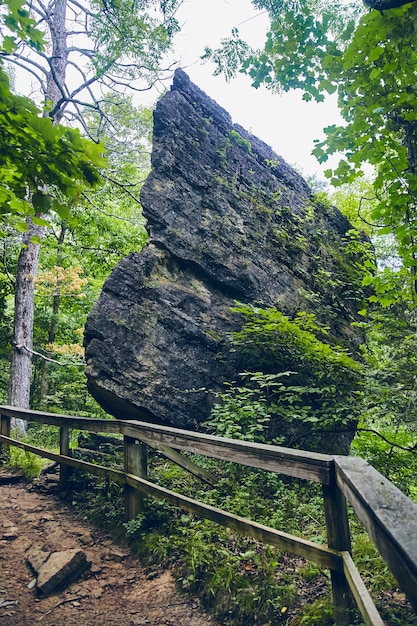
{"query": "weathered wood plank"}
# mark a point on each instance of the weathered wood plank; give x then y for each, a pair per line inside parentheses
(299, 464)
(135, 462)
(289, 543)
(64, 449)
(185, 463)
(387, 514)
(326, 557)
(364, 601)
(98, 470)
(4, 430)
(94, 425)
(338, 538)
(5, 424)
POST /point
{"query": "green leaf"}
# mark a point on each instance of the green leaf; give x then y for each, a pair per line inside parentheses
(21, 227)
(9, 44)
(41, 202)
(38, 221)
(376, 53)
(62, 210)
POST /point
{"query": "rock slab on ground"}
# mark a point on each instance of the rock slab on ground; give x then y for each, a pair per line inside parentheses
(57, 569)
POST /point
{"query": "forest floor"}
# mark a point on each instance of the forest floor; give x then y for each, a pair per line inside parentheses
(117, 591)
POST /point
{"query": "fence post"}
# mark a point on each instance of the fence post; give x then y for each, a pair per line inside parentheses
(135, 462)
(64, 448)
(338, 538)
(4, 430)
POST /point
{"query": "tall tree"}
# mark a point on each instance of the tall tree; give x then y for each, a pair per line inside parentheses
(35, 155)
(109, 47)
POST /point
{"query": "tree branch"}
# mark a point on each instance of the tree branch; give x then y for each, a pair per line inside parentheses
(118, 217)
(82, 8)
(46, 358)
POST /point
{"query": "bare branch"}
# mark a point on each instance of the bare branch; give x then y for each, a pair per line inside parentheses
(391, 443)
(82, 8)
(83, 51)
(123, 186)
(23, 61)
(97, 208)
(46, 358)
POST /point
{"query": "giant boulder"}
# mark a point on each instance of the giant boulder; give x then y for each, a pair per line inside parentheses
(229, 221)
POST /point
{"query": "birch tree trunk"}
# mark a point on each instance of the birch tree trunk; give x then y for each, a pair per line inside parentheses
(27, 268)
(22, 345)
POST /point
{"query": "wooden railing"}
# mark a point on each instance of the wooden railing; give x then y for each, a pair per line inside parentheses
(387, 514)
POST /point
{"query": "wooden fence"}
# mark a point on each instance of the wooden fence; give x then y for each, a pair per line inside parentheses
(387, 514)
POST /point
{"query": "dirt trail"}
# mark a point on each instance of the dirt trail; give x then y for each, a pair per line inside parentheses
(118, 590)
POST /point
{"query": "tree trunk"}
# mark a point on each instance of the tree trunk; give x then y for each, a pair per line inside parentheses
(27, 268)
(55, 91)
(22, 345)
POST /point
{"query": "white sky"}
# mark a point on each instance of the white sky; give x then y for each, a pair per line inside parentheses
(284, 121)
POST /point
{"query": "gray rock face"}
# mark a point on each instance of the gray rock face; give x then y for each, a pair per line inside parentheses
(229, 221)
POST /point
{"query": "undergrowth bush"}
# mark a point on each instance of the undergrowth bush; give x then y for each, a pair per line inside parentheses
(29, 464)
(237, 578)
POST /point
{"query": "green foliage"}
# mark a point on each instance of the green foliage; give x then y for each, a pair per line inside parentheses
(300, 37)
(29, 464)
(303, 380)
(36, 154)
(380, 117)
(320, 611)
(131, 30)
(237, 138)
(19, 25)
(293, 342)
(229, 57)
(387, 435)
(356, 201)
(240, 413)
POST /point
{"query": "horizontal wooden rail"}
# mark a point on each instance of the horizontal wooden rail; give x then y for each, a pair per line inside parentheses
(298, 464)
(387, 514)
(363, 599)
